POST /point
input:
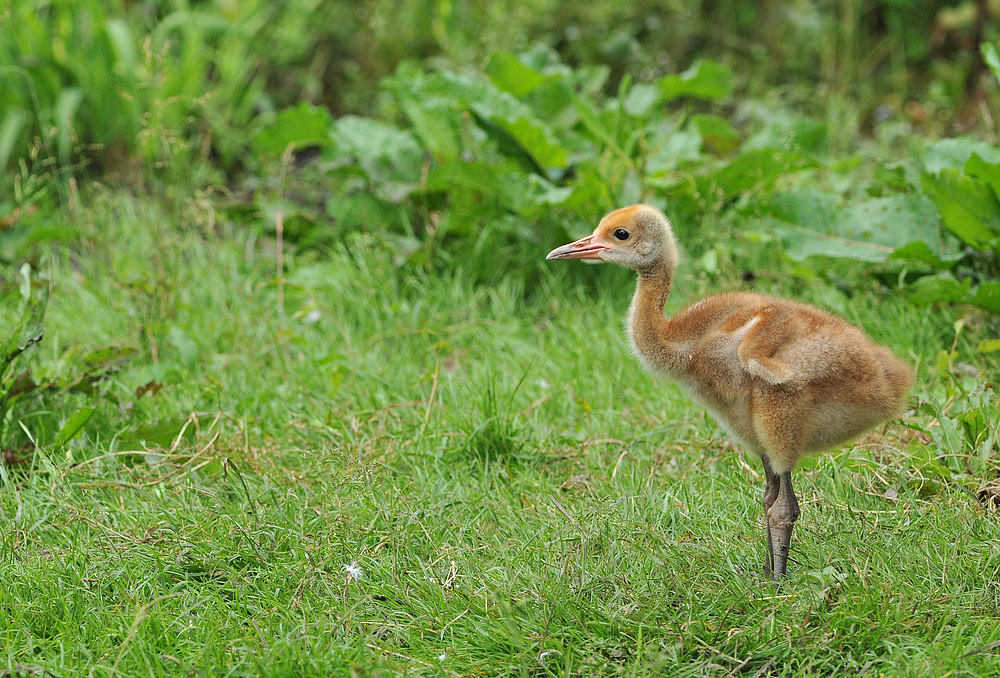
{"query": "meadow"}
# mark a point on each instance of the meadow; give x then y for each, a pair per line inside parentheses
(290, 390)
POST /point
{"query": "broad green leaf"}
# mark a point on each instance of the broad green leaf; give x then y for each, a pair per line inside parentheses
(432, 122)
(954, 153)
(679, 146)
(375, 142)
(919, 251)
(890, 180)
(509, 144)
(716, 133)
(630, 189)
(892, 220)
(511, 188)
(591, 192)
(758, 169)
(537, 142)
(590, 80)
(74, 424)
(390, 158)
(816, 210)
(926, 459)
(512, 75)
(547, 89)
(974, 424)
(809, 134)
(512, 122)
(939, 289)
(294, 128)
(545, 193)
(801, 243)
(987, 296)
(467, 91)
(704, 80)
(641, 99)
(986, 171)
(968, 207)
(361, 210)
(553, 102)
(593, 124)
(869, 230)
(710, 261)
(789, 131)
(482, 177)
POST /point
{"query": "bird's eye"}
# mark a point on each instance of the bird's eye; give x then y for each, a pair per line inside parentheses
(621, 234)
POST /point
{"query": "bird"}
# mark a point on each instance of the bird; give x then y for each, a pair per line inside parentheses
(783, 378)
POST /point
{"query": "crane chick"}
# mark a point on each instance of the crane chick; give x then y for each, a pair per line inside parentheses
(785, 379)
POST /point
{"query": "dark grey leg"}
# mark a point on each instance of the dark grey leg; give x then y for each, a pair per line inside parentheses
(781, 519)
(770, 494)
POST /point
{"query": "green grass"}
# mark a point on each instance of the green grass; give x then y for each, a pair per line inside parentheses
(521, 497)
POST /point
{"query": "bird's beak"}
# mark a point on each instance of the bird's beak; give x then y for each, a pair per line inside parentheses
(584, 248)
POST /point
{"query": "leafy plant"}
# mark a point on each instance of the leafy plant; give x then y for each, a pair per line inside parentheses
(130, 87)
(959, 443)
(31, 399)
(481, 156)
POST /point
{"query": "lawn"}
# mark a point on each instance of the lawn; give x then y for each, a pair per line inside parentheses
(388, 472)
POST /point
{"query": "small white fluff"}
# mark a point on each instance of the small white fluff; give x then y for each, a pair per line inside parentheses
(353, 571)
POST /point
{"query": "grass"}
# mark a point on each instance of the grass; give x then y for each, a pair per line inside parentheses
(520, 497)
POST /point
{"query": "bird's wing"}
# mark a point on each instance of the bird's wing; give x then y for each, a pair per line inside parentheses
(768, 330)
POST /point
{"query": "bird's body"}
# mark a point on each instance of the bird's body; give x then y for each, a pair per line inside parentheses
(784, 378)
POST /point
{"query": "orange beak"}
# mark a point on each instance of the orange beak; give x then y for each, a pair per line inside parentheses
(584, 248)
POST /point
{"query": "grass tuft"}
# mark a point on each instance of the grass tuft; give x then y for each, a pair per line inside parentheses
(493, 432)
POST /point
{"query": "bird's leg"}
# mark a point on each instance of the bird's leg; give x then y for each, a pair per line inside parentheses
(781, 519)
(770, 494)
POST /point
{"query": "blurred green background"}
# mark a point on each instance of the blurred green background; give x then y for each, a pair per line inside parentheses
(118, 86)
(430, 121)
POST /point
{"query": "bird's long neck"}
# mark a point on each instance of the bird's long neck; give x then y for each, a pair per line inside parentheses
(648, 327)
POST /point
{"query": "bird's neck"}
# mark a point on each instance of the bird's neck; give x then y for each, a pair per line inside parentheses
(648, 327)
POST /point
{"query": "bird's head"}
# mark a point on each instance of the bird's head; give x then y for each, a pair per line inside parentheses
(638, 237)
